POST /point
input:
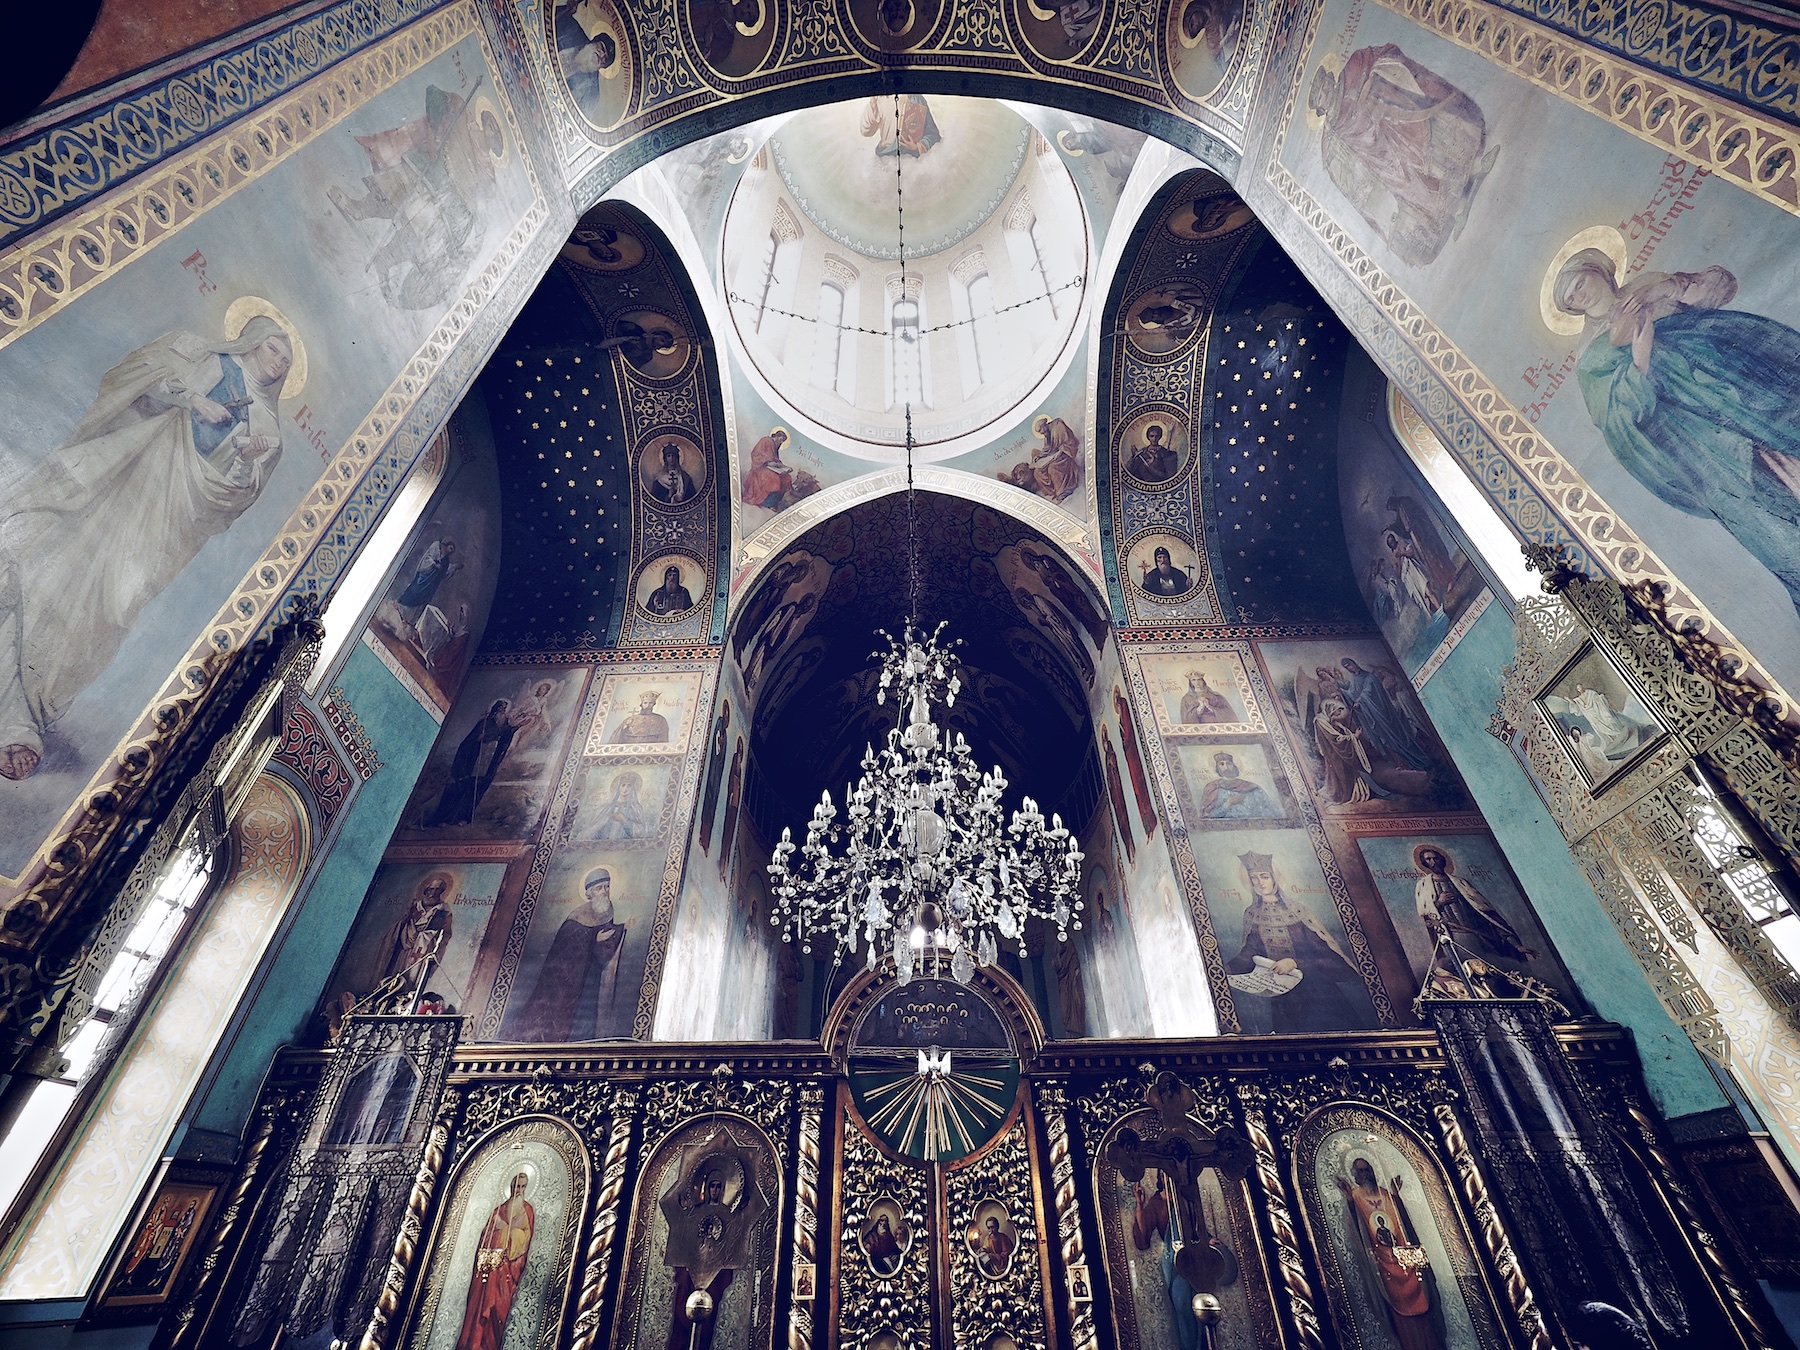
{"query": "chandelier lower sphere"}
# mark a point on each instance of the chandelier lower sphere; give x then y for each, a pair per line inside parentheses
(923, 862)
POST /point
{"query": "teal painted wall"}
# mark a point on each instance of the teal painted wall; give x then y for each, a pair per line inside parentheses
(1461, 697)
(402, 732)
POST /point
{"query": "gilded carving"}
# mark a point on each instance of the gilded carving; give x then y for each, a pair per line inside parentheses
(884, 1248)
(996, 1284)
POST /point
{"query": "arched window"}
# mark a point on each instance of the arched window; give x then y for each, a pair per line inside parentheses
(101, 1128)
(1033, 261)
(984, 328)
(907, 367)
(120, 990)
(977, 327)
(827, 346)
(834, 350)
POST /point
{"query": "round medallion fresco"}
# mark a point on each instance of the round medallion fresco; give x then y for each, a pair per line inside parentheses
(1059, 32)
(895, 25)
(594, 56)
(732, 37)
(1202, 41)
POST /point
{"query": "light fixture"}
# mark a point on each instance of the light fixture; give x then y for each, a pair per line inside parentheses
(922, 862)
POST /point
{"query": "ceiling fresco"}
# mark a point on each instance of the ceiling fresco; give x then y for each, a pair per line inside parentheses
(910, 261)
(602, 373)
(1039, 416)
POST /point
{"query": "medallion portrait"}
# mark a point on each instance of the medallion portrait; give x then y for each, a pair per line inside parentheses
(1153, 448)
(992, 1239)
(1202, 40)
(601, 243)
(884, 1237)
(895, 25)
(595, 57)
(652, 343)
(732, 37)
(671, 586)
(672, 469)
(1163, 566)
(1166, 318)
(1210, 215)
(1059, 31)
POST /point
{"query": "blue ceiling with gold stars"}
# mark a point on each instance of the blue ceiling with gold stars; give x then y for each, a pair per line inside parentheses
(1268, 433)
(554, 404)
(1221, 378)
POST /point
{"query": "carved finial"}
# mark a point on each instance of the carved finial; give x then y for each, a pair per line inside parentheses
(1554, 563)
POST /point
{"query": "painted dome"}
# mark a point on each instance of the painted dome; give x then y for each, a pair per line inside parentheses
(966, 329)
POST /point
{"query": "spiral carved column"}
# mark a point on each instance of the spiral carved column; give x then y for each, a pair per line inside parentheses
(806, 1214)
(1499, 1246)
(412, 1224)
(1281, 1224)
(1700, 1230)
(248, 1173)
(606, 1219)
(1068, 1211)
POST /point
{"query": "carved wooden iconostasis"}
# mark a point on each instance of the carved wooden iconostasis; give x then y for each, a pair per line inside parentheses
(936, 1175)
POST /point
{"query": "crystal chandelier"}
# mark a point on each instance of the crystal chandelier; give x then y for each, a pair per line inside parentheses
(923, 862)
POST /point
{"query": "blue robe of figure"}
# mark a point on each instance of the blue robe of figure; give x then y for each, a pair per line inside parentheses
(1722, 392)
(1389, 730)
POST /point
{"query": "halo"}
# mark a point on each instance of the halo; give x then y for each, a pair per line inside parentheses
(1067, 149)
(247, 307)
(1039, 13)
(762, 17)
(529, 1168)
(1333, 62)
(1187, 43)
(1609, 241)
(483, 104)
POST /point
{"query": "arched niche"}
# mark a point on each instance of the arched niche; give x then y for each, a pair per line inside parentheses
(797, 709)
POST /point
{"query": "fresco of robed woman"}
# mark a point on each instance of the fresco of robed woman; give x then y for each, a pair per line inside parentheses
(181, 440)
(1699, 403)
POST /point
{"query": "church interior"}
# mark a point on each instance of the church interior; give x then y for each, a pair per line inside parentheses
(901, 675)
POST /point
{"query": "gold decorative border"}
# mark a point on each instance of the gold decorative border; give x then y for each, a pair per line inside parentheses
(255, 597)
(43, 275)
(1757, 153)
(1520, 444)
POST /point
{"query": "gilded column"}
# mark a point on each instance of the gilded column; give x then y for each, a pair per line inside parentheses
(412, 1224)
(242, 1186)
(606, 1218)
(1281, 1221)
(806, 1214)
(1499, 1246)
(1055, 1102)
